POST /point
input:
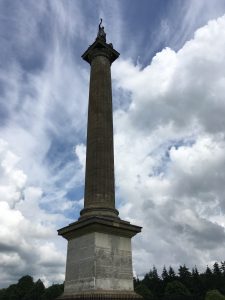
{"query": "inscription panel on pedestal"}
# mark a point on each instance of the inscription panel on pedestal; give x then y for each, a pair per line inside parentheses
(113, 262)
(80, 270)
(99, 261)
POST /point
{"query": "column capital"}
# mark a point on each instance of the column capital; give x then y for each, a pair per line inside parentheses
(100, 48)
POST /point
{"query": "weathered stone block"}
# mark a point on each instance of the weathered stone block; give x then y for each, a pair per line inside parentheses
(99, 261)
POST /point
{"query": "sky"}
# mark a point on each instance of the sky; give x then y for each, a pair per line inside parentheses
(169, 129)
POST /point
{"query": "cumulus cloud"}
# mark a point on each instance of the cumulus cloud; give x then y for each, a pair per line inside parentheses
(188, 81)
(28, 233)
(41, 122)
(170, 151)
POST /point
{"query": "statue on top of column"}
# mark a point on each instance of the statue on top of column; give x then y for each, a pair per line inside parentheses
(101, 32)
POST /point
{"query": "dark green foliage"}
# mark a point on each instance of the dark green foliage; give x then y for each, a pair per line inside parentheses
(36, 292)
(185, 285)
(172, 274)
(136, 282)
(2, 293)
(24, 285)
(11, 293)
(195, 284)
(184, 273)
(176, 288)
(223, 268)
(153, 282)
(52, 292)
(165, 275)
(25, 289)
(208, 272)
(144, 292)
(216, 270)
(214, 295)
(19, 290)
(195, 272)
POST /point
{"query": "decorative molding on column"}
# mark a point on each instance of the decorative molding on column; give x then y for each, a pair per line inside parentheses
(100, 47)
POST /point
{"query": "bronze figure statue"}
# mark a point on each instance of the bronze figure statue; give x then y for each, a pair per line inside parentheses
(101, 32)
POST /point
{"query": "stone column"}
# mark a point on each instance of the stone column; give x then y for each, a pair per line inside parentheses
(99, 198)
(99, 255)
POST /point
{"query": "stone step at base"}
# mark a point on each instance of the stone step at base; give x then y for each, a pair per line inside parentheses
(102, 296)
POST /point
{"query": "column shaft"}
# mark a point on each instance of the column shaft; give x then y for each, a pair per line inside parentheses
(99, 196)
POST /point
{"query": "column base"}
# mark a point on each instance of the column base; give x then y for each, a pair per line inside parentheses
(101, 295)
(99, 212)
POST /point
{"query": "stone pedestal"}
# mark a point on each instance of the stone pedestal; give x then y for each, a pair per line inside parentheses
(99, 259)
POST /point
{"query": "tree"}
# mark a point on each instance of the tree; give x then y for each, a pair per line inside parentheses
(24, 285)
(172, 274)
(2, 294)
(208, 272)
(223, 267)
(165, 275)
(153, 282)
(144, 292)
(207, 279)
(195, 285)
(155, 273)
(176, 289)
(11, 293)
(36, 292)
(214, 295)
(184, 273)
(218, 278)
(195, 273)
(52, 292)
(216, 270)
(136, 281)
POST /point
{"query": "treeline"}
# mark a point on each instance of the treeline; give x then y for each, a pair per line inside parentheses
(183, 285)
(27, 289)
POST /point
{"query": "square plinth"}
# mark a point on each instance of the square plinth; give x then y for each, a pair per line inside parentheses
(99, 259)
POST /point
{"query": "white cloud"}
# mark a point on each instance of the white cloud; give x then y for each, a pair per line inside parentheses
(180, 87)
(41, 121)
(28, 233)
(80, 151)
(169, 149)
